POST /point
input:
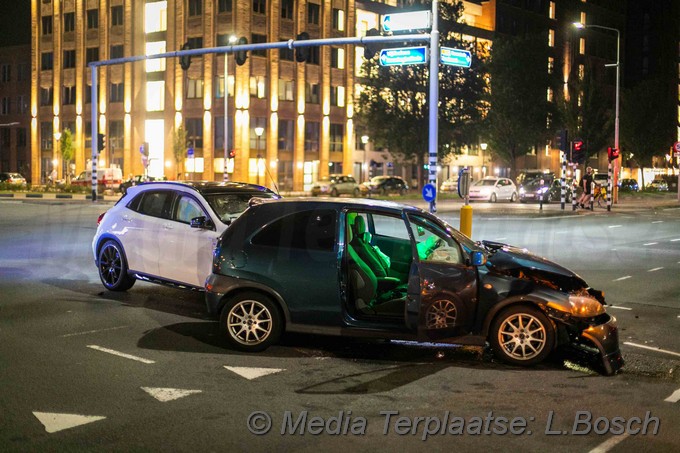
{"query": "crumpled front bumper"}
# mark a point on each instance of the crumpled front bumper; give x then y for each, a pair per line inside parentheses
(605, 337)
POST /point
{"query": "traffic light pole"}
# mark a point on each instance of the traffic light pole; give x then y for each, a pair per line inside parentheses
(434, 105)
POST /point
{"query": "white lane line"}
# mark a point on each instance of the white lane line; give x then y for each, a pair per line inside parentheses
(655, 269)
(658, 221)
(609, 443)
(623, 278)
(675, 240)
(120, 354)
(614, 226)
(674, 398)
(92, 331)
(651, 348)
(651, 243)
(618, 307)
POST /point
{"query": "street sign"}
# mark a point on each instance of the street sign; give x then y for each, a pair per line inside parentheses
(414, 20)
(429, 192)
(403, 55)
(190, 152)
(455, 57)
(676, 147)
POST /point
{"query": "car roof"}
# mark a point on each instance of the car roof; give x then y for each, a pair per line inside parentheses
(332, 203)
(204, 187)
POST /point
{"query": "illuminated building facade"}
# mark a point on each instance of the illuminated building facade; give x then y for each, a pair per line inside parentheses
(15, 89)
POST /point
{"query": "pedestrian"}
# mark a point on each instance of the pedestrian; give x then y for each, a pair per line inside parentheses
(586, 185)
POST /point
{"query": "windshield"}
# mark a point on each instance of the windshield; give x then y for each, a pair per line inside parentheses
(486, 182)
(229, 206)
(328, 179)
(377, 179)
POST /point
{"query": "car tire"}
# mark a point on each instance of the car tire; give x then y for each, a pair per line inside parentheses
(334, 192)
(513, 197)
(493, 198)
(522, 335)
(383, 192)
(252, 322)
(356, 193)
(112, 267)
(402, 191)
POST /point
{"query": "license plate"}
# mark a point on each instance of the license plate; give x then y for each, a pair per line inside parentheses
(529, 195)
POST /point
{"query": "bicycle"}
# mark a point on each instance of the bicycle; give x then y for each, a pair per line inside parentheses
(600, 195)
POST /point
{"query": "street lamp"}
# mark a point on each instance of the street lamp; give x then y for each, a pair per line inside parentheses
(615, 191)
(225, 176)
(258, 132)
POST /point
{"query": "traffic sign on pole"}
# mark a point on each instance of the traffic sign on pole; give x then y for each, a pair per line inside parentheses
(455, 57)
(403, 55)
(429, 192)
(676, 147)
(414, 20)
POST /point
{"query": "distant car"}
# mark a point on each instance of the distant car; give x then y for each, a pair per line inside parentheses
(450, 185)
(336, 185)
(492, 189)
(601, 179)
(547, 192)
(165, 232)
(385, 185)
(629, 184)
(527, 175)
(138, 179)
(14, 179)
(659, 185)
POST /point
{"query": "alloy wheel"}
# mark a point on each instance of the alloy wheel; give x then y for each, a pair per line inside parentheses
(441, 314)
(522, 336)
(249, 322)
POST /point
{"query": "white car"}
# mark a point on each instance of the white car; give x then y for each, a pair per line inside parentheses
(493, 189)
(165, 232)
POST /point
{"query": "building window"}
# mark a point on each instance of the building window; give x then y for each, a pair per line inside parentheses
(46, 135)
(45, 96)
(259, 39)
(116, 15)
(582, 46)
(337, 58)
(155, 64)
(336, 134)
(260, 6)
(5, 106)
(88, 94)
(550, 95)
(92, 19)
(23, 72)
(5, 73)
(69, 95)
(219, 133)
(195, 8)
(117, 92)
(69, 59)
(258, 86)
(69, 22)
(195, 42)
(22, 104)
(581, 71)
(551, 10)
(194, 128)
(46, 61)
(551, 38)
(338, 96)
(194, 88)
(286, 90)
(21, 137)
(116, 135)
(286, 135)
(116, 51)
(155, 96)
(258, 143)
(287, 9)
(338, 19)
(551, 65)
(155, 17)
(313, 55)
(219, 86)
(312, 129)
(312, 93)
(313, 13)
(91, 54)
(224, 6)
(47, 25)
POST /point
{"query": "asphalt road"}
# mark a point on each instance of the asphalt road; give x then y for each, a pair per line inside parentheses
(82, 369)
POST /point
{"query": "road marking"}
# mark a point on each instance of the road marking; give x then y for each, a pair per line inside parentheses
(252, 373)
(614, 226)
(623, 278)
(618, 307)
(658, 221)
(609, 443)
(651, 348)
(675, 240)
(93, 331)
(655, 269)
(651, 243)
(166, 394)
(674, 398)
(120, 354)
(58, 422)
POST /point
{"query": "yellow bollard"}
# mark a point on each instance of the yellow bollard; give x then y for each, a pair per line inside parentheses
(466, 220)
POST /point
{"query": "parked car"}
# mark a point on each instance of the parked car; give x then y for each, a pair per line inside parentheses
(13, 179)
(165, 232)
(671, 181)
(382, 269)
(601, 179)
(547, 191)
(336, 185)
(527, 175)
(138, 179)
(492, 189)
(385, 185)
(450, 185)
(629, 184)
(659, 185)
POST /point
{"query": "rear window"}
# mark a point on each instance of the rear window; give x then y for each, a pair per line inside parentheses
(307, 230)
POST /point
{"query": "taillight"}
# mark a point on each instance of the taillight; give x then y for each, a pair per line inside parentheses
(101, 216)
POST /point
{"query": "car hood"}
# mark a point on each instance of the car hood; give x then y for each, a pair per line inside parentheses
(515, 261)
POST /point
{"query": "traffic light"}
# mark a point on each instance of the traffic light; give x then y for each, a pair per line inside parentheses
(612, 153)
(241, 55)
(302, 53)
(101, 142)
(232, 153)
(578, 151)
(561, 140)
(185, 60)
(371, 49)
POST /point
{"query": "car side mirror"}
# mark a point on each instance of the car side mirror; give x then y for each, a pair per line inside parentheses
(202, 222)
(478, 258)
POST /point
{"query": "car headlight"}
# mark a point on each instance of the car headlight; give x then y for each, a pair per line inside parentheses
(522, 191)
(542, 190)
(585, 307)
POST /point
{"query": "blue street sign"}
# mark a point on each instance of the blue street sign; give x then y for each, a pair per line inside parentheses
(455, 57)
(429, 192)
(403, 55)
(190, 152)
(414, 20)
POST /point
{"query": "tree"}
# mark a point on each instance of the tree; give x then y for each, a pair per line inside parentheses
(393, 102)
(179, 148)
(518, 105)
(67, 151)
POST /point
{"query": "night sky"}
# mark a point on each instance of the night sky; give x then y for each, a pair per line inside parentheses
(15, 22)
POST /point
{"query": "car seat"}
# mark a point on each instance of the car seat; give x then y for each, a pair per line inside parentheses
(365, 250)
